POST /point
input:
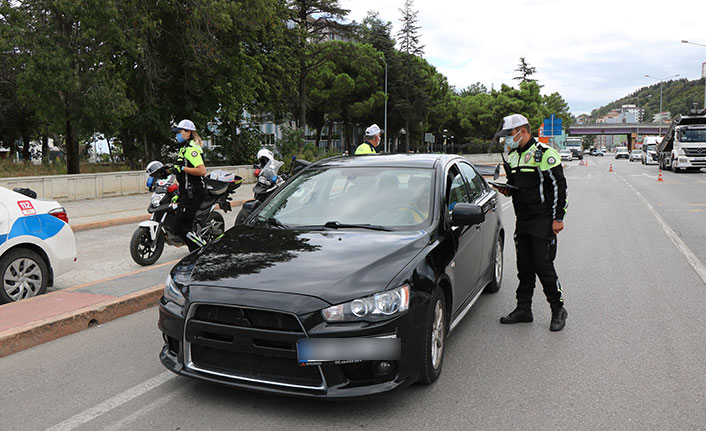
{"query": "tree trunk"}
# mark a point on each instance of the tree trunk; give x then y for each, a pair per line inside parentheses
(406, 136)
(318, 136)
(72, 155)
(110, 151)
(302, 95)
(330, 136)
(26, 154)
(45, 149)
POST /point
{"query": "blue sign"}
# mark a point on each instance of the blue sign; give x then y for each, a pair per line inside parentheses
(552, 126)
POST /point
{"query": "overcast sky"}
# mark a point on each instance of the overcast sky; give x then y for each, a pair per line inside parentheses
(591, 52)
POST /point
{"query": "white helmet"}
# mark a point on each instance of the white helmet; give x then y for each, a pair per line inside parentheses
(264, 156)
(153, 166)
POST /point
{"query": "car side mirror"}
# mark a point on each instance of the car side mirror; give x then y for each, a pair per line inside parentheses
(496, 174)
(465, 214)
(251, 206)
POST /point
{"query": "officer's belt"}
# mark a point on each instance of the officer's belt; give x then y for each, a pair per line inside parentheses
(532, 209)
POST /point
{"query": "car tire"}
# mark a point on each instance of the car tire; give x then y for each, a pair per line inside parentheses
(497, 268)
(139, 247)
(24, 274)
(435, 332)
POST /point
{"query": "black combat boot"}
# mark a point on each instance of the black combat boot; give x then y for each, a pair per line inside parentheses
(518, 315)
(558, 319)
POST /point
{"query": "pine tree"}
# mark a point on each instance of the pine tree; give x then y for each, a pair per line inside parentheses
(408, 36)
(525, 71)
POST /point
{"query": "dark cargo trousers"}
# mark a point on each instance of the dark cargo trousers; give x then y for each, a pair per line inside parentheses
(535, 258)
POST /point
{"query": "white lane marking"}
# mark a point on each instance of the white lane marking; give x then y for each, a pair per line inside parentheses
(688, 254)
(112, 403)
(128, 422)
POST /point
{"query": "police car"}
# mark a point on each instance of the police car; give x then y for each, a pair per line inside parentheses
(36, 245)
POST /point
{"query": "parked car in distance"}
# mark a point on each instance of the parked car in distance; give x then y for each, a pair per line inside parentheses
(566, 155)
(36, 244)
(635, 155)
(599, 153)
(622, 153)
(344, 283)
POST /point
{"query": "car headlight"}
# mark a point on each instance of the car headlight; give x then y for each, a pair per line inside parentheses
(173, 293)
(377, 307)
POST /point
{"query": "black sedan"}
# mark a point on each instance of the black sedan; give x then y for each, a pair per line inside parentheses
(344, 283)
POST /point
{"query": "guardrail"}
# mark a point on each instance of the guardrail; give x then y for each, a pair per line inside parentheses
(108, 184)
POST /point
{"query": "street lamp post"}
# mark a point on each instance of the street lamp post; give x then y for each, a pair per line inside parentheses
(384, 131)
(661, 119)
(703, 66)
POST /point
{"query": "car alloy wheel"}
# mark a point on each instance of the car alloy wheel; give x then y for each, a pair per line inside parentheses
(434, 339)
(438, 331)
(24, 274)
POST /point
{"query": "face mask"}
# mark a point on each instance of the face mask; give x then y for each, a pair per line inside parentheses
(510, 141)
(180, 139)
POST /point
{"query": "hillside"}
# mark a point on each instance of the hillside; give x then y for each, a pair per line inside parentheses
(677, 98)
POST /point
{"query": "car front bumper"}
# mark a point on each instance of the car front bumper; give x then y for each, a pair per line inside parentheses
(266, 360)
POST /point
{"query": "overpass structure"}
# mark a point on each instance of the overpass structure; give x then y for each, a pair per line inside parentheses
(629, 129)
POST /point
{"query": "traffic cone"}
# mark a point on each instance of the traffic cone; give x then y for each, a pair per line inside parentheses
(586, 164)
(660, 176)
(611, 168)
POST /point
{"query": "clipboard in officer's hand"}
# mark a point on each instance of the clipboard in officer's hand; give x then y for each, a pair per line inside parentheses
(503, 185)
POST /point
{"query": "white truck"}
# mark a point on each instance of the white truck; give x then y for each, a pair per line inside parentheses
(684, 144)
(575, 145)
(649, 154)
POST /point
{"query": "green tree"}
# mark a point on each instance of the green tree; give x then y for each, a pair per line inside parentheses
(555, 104)
(525, 71)
(315, 21)
(408, 36)
(69, 76)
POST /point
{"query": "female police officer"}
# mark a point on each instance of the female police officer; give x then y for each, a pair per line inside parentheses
(190, 172)
(540, 204)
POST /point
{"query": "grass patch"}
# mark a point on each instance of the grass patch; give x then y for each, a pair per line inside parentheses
(24, 169)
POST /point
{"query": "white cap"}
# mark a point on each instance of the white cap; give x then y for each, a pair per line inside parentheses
(511, 122)
(373, 130)
(184, 125)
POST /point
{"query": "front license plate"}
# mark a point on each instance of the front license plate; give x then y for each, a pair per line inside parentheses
(314, 351)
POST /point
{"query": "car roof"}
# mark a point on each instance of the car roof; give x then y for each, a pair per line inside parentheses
(428, 161)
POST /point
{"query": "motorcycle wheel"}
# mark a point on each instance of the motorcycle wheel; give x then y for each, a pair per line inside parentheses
(142, 250)
(217, 225)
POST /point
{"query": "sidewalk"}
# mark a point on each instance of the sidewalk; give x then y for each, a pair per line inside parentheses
(33, 321)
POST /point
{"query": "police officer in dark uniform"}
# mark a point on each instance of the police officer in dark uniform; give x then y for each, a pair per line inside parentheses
(190, 171)
(540, 202)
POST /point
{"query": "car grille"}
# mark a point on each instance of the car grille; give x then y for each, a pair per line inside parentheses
(695, 152)
(248, 344)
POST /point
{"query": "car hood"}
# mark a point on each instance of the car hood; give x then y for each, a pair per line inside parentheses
(333, 265)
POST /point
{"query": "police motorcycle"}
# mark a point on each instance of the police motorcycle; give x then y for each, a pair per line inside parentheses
(268, 180)
(148, 240)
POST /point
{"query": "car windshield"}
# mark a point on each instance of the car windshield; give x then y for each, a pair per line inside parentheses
(622, 150)
(650, 147)
(693, 135)
(355, 197)
(635, 152)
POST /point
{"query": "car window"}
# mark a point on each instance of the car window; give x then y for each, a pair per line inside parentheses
(475, 181)
(455, 188)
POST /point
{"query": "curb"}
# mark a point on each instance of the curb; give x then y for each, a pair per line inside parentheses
(35, 333)
(129, 220)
